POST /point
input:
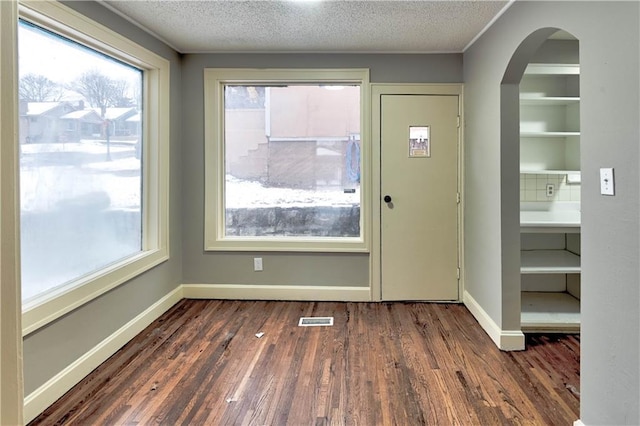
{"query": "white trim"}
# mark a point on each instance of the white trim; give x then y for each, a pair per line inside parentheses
(276, 292)
(38, 401)
(578, 423)
(505, 340)
(11, 385)
(214, 82)
(489, 25)
(56, 17)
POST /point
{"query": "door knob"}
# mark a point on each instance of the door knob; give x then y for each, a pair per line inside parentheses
(387, 198)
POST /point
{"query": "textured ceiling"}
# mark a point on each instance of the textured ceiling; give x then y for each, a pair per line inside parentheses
(311, 26)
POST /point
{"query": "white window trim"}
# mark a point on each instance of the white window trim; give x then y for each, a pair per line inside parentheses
(214, 81)
(155, 204)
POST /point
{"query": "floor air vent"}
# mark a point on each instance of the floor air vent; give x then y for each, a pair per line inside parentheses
(315, 321)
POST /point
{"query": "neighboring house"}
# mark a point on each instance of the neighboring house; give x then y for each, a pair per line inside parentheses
(119, 126)
(48, 122)
(64, 121)
(132, 124)
(81, 124)
(40, 121)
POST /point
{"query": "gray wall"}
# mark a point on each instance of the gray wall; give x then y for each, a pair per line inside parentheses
(52, 348)
(311, 269)
(608, 34)
(609, 55)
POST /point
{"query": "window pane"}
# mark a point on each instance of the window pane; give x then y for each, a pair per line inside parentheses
(292, 161)
(80, 168)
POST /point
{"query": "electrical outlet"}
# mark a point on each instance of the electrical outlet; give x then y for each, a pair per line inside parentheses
(550, 190)
(257, 264)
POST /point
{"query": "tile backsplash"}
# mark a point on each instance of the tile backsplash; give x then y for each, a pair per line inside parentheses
(533, 187)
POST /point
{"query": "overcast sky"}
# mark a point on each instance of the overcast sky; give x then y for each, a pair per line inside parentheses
(63, 61)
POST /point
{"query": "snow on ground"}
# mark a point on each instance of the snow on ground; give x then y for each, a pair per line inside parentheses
(245, 194)
(50, 173)
(44, 184)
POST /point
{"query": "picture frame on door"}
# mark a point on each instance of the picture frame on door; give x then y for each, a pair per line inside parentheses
(419, 141)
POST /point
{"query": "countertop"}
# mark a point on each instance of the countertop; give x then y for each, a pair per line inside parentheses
(553, 218)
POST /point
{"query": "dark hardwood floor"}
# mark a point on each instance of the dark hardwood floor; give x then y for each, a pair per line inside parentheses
(380, 364)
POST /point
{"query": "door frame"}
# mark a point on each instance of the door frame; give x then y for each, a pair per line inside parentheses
(377, 91)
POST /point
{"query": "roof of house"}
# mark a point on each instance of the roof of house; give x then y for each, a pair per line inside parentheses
(134, 118)
(39, 108)
(116, 113)
(86, 114)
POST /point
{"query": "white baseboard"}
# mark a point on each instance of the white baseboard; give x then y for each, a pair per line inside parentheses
(276, 292)
(506, 340)
(578, 423)
(40, 399)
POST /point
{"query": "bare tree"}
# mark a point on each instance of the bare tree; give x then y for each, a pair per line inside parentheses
(102, 91)
(137, 95)
(121, 95)
(38, 88)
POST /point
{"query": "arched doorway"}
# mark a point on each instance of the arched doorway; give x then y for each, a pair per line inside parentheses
(541, 193)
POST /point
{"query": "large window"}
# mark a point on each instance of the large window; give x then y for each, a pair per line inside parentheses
(80, 177)
(285, 159)
(92, 134)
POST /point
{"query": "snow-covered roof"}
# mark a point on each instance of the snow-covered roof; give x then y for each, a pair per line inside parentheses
(115, 113)
(84, 113)
(134, 118)
(38, 108)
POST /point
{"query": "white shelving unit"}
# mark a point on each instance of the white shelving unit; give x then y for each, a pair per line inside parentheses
(550, 119)
(550, 278)
(550, 238)
(550, 311)
(549, 262)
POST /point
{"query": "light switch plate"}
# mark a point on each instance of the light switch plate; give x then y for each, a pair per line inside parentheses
(607, 182)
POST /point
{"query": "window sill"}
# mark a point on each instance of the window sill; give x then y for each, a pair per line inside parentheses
(275, 244)
(52, 305)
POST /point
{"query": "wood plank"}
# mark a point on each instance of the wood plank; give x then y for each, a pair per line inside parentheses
(381, 363)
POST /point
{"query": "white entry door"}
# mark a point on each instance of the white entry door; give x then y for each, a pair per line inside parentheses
(419, 183)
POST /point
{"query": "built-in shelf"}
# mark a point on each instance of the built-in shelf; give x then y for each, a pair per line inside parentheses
(548, 134)
(549, 312)
(547, 172)
(550, 232)
(550, 219)
(552, 69)
(530, 99)
(549, 262)
(550, 228)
